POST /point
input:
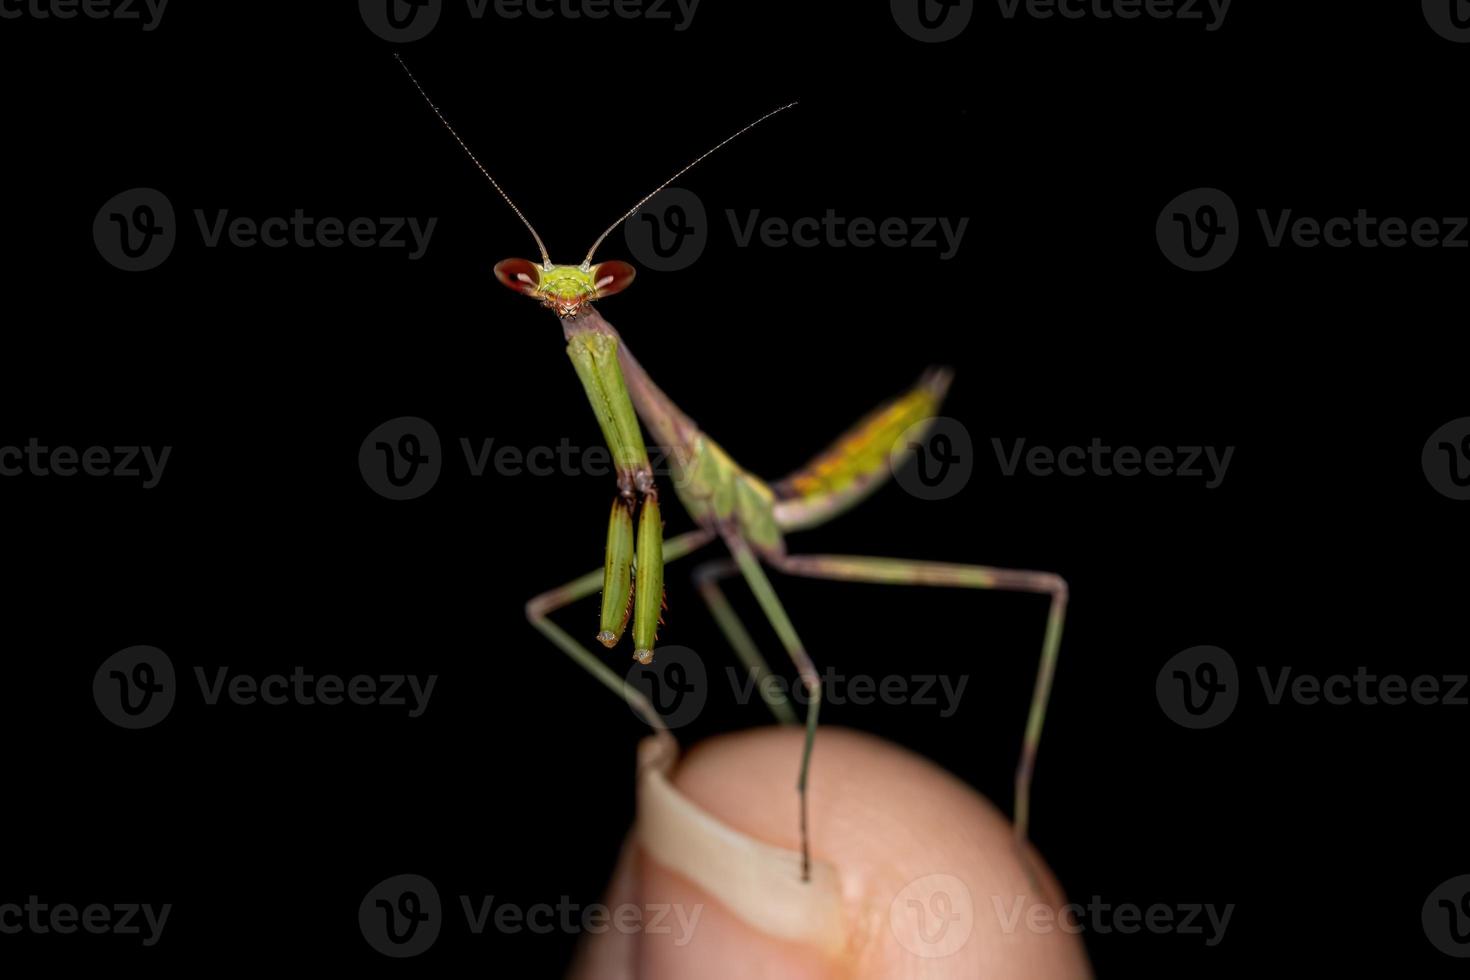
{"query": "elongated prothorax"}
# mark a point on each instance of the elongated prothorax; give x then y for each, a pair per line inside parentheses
(595, 356)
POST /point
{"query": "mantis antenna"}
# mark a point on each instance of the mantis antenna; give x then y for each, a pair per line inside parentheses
(634, 209)
(545, 258)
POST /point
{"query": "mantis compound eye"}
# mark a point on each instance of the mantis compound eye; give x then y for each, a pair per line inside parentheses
(522, 275)
(611, 277)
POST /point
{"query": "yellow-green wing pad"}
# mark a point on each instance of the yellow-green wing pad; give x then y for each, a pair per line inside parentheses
(857, 463)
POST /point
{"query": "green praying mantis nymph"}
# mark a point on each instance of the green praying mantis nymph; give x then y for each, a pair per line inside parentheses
(750, 515)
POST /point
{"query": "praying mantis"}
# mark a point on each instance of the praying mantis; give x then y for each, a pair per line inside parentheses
(749, 515)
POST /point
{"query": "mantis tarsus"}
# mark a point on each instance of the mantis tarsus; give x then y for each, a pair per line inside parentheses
(750, 515)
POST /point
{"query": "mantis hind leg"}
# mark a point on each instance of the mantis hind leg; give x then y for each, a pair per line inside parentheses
(540, 608)
(901, 572)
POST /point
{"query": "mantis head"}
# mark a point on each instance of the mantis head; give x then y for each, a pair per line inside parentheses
(565, 289)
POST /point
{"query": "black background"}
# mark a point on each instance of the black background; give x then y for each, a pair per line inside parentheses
(262, 548)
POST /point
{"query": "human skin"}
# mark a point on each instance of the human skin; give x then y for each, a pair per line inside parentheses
(930, 881)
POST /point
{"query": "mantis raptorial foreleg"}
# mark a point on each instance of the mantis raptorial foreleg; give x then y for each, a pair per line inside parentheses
(755, 577)
(707, 580)
(901, 572)
(539, 610)
(633, 574)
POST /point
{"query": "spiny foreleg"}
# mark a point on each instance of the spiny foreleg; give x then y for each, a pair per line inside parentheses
(633, 575)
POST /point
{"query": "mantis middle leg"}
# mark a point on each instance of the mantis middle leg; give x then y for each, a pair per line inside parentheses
(707, 578)
(540, 608)
(765, 594)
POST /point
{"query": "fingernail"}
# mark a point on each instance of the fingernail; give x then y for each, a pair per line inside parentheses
(757, 882)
